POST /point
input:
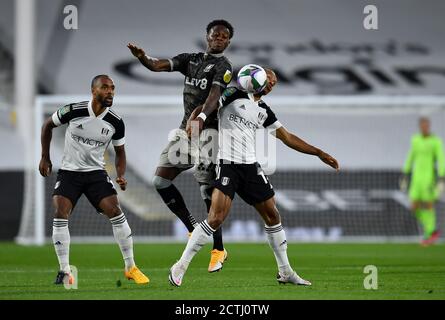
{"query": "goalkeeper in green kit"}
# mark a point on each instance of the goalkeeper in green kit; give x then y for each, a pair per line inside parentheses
(426, 152)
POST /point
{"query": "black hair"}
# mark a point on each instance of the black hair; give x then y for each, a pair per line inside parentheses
(221, 22)
(93, 82)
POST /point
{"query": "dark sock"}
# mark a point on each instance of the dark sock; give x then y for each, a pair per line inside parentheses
(217, 235)
(217, 240)
(174, 201)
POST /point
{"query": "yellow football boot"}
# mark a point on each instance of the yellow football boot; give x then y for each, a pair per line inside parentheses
(217, 259)
(135, 274)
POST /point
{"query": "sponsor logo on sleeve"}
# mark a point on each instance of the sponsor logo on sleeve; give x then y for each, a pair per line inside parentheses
(227, 76)
(229, 91)
(63, 111)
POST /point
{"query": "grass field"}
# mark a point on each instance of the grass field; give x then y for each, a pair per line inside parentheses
(405, 271)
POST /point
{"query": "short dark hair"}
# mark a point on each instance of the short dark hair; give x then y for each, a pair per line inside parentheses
(96, 78)
(221, 22)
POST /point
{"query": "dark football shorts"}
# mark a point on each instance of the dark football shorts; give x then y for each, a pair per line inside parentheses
(247, 180)
(96, 185)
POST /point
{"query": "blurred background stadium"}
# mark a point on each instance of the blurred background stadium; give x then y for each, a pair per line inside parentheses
(353, 92)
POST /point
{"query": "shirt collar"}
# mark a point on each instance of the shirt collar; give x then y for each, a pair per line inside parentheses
(216, 55)
(91, 112)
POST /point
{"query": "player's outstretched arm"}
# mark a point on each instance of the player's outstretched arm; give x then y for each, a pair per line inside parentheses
(121, 166)
(292, 141)
(45, 165)
(150, 63)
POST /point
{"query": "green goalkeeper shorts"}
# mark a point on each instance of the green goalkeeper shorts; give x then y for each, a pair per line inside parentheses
(423, 192)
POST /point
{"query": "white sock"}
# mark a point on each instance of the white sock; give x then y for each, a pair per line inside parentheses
(200, 236)
(122, 234)
(277, 241)
(61, 240)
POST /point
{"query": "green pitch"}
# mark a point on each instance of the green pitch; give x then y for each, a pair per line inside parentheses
(405, 271)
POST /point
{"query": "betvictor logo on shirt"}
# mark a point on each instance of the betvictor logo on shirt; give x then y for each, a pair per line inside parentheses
(88, 141)
(239, 119)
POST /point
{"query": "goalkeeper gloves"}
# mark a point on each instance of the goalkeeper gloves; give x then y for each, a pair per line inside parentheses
(403, 183)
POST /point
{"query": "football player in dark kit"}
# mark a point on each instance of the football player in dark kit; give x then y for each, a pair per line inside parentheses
(206, 76)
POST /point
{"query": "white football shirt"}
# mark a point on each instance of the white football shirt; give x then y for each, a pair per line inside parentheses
(239, 117)
(87, 136)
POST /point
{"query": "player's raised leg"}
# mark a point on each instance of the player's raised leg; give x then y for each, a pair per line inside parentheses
(61, 238)
(205, 173)
(122, 234)
(171, 195)
(163, 182)
(277, 241)
(202, 234)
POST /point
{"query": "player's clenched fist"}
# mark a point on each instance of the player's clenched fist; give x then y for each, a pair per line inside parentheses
(122, 183)
(45, 167)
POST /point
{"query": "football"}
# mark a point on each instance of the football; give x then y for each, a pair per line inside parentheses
(252, 78)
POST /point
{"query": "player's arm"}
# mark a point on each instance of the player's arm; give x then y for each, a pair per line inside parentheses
(195, 113)
(223, 100)
(118, 140)
(210, 105)
(440, 162)
(406, 170)
(440, 159)
(223, 76)
(45, 165)
(150, 63)
(121, 166)
(294, 142)
(409, 160)
(62, 116)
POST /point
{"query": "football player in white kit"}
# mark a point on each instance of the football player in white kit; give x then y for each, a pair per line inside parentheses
(240, 115)
(92, 125)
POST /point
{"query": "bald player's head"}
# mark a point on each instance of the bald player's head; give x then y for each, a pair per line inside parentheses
(271, 81)
(102, 89)
(424, 126)
(96, 79)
